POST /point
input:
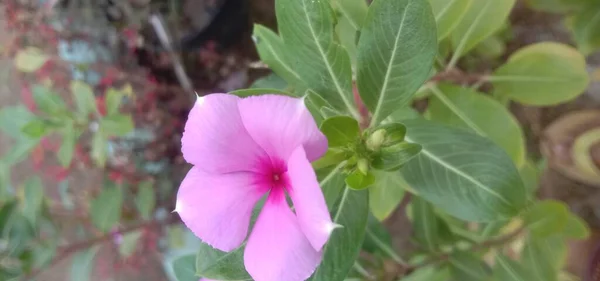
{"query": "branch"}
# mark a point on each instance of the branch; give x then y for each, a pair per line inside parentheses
(458, 76)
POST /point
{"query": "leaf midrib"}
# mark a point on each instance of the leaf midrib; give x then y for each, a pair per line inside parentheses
(470, 30)
(383, 91)
(508, 268)
(283, 63)
(460, 173)
(324, 57)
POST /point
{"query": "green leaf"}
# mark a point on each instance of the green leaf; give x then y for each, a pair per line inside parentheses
(357, 180)
(482, 19)
(117, 125)
(83, 95)
(340, 253)
(145, 200)
(214, 264)
(576, 228)
(557, 6)
(36, 128)
(30, 59)
(546, 218)
(340, 131)
(544, 258)
(13, 119)
(67, 147)
(332, 183)
(377, 238)
(386, 193)
(509, 270)
(129, 244)
(259, 91)
(425, 224)
(83, 264)
(48, 101)
(99, 148)
(448, 14)
(271, 81)
(462, 107)
(353, 10)
(391, 158)
(113, 101)
(33, 199)
(429, 273)
(468, 266)
(184, 268)
(105, 210)
(348, 37)
(531, 176)
(542, 74)
(586, 28)
(272, 51)
(307, 29)
(390, 71)
(464, 174)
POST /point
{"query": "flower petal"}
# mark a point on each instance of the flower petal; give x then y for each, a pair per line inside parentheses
(308, 199)
(215, 139)
(277, 249)
(217, 208)
(279, 124)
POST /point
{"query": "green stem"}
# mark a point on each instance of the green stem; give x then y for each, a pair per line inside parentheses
(386, 249)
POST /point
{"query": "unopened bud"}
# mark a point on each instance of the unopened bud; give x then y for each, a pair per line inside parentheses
(376, 139)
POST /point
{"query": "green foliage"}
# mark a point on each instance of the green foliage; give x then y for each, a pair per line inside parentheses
(214, 264)
(389, 71)
(340, 131)
(542, 74)
(184, 268)
(463, 174)
(105, 210)
(448, 15)
(83, 95)
(585, 26)
(30, 59)
(145, 199)
(83, 264)
(468, 266)
(386, 193)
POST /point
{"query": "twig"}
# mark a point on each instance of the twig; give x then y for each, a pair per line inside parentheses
(457, 76)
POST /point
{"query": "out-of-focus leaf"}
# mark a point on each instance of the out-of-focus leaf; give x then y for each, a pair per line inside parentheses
(547, 218)
(117, 125)
(468, 266)
(84, 98)
(129, 243)
(214, 264)
(105, 210)
(33, 199)
(386, 193)
(145, 199)
(83, 264)
(448, 14)
(30, 59)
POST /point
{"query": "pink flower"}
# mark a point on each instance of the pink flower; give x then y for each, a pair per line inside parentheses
(241, 150)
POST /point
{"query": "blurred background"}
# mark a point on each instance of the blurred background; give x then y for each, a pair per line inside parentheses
(94, 95)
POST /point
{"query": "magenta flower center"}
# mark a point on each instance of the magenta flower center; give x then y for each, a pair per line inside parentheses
(275, 175)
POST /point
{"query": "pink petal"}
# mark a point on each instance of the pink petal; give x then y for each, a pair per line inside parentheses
(215, 139)
(277, 250)
(308, 199)
(217, 208)
(279, 124)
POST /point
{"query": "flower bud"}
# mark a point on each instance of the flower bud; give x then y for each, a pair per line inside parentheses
(363, 166)
(376, 139)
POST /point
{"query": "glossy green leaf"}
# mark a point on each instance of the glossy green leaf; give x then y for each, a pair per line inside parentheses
(105, 210)
(84, 98)
(30, 59)
(129, 243)
(482, 19)
(546, 218)
(448, 14)
(145, 200)
(542, 74)
(307, 29)
(48, 101)
(272, 51)
(67, 147)
(576, 228)
(348, 37)
(386, 193)
(184, 268)
(357, 180)
(468, 266)
(344, 245)
(586, 28)
(332, 183)
(506, 269)
(462, 173)
(214, 264)
(113, 98)
(83, 264)
(117, 125)
(259, 91)
(389, 69)
(391, 158)
(462, 107)
(33, 199)
(340, 131)
(36, 128)
(99, 148)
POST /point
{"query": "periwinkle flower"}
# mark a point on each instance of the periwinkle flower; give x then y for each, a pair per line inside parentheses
(241, 150)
